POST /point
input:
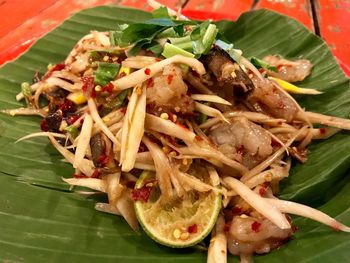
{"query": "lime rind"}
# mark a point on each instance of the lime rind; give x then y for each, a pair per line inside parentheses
(166, 227)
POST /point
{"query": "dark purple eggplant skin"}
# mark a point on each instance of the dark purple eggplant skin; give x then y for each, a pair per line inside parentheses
(54, 120)
(221, 65)
(98, 147)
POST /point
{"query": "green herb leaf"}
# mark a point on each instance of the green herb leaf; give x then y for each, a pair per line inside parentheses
(106, 72)
(259, 63)
(155, 48)
(115, 36)
(161, 12)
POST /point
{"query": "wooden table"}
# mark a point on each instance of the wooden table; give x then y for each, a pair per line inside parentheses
(24, 21)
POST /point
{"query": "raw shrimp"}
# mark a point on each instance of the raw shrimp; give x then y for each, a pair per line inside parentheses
(242, 140)
(168, 90)
(290, 71)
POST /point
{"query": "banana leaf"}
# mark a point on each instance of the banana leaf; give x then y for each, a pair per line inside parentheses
(42, 220)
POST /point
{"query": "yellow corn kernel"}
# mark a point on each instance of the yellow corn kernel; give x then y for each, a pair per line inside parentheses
(125, 70)
(77, 97)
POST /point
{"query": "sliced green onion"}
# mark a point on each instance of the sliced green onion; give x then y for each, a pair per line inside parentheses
(72, 130)
(188, 46)
(111, 38)
(235, 54)
(123, 94)
(172, 50)
(179, 40)
(26, 90)
(209, 37)
(259, 63)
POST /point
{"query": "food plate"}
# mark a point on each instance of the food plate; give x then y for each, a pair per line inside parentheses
(41, 219)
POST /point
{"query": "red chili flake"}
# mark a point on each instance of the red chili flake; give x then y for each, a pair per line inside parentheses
(147, 71)
(150, 83)
(141, 194)
(262, 191)
(198, 138)
(192, 229)
(58, 67)
(323, 130)
(123, 110)
(171, 116)
(88, 86)
(170, 79)
(79, 176)
(227, 227)
(93, 93)
(67, 106)
(71, 119)
(96, 173)
(241, 149)
(158, 59)
(181, 125)
(237, 210)
(255, 226)
(108, 88)
(103, 159)
(275, 143)
(43, 125)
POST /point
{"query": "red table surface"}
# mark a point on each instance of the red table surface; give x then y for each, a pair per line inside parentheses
(29, 21)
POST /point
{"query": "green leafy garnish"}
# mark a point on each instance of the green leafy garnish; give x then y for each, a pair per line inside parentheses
(161, 12)
(145, 35)
(105, 73)
(172, 50)
(115, 36)
(259, 63)
(203, 37)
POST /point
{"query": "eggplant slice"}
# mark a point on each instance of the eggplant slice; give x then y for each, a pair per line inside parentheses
(229, 75)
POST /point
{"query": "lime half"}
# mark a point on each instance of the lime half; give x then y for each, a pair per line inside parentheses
(180, 222)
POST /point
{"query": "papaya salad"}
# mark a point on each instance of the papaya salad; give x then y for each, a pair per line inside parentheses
(184, 134)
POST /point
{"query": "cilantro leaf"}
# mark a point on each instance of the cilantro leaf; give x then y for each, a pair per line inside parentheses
(161, 12)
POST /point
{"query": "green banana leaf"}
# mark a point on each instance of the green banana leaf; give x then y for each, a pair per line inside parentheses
(41, 220)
